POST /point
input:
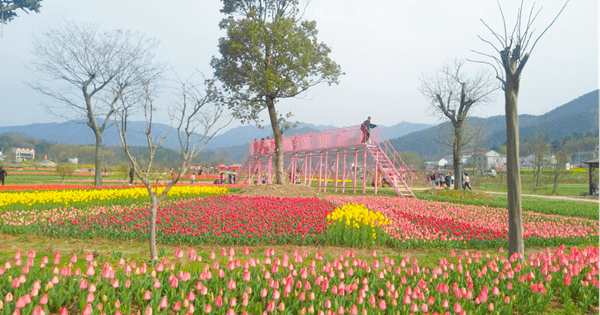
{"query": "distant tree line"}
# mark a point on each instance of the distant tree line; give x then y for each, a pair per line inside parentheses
(112, 155)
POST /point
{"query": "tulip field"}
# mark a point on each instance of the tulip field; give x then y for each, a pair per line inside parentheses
(472, 277)
(465, 282)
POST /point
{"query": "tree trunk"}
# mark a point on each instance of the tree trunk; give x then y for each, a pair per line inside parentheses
(278, 142)
(457, 151)
(98, 159)
(513, 171)
(152, 231)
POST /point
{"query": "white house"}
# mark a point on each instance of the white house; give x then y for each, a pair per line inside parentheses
(442, 162)
(487, 160)
(74, 160)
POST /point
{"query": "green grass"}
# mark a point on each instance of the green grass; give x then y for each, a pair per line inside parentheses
(536, 204)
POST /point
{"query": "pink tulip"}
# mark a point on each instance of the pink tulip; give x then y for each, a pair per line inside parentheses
(38, 310)
(271, 307)
(191, 296)
(164, 303)
(148, 311)
(44, 299)
(21, 303)
(382, 305)
(218, 301)
(87, 310)
(147, 295)
(207, 309)
(192, 254)
(231, 285)
(63, 311)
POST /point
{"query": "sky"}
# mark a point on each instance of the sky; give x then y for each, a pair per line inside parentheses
(382, 46)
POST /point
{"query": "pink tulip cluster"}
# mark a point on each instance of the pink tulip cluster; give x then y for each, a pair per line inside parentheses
(465, 282)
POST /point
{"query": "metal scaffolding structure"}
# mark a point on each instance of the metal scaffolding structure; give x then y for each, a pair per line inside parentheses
(342, 156)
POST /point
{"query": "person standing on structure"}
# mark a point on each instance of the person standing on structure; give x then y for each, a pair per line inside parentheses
(366, 129)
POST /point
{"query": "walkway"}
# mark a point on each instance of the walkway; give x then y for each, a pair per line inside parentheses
(528, 195)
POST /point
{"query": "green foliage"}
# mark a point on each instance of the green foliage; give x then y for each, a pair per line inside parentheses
(65, 169)
(9, 8)
(535, 204)
(267, 54)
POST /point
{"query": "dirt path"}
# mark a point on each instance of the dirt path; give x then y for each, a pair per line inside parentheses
(528, 195)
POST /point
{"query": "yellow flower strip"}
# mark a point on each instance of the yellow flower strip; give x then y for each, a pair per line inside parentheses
(68, 197)
(355, 214)
(354, 220)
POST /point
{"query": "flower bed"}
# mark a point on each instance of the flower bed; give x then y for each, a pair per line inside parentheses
(295, 283)
(222, 219)
(419, 223)
(82, 197)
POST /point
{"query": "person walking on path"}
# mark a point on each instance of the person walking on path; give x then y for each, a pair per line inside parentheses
(448, 178)
(131, 176)
(3, 175)
(366, 130)
(193, 177)
(466, 181)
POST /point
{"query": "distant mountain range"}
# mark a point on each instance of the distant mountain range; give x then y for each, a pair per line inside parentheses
(232, 143)
(580, 115)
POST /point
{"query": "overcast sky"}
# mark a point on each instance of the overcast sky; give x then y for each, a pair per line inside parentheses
(383, 46)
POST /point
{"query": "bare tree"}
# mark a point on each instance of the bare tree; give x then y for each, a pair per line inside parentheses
(539, 150)
(87, 70)
(199, 109)
(558, 168)
(513, 55)
(452, 94)
(477, 137)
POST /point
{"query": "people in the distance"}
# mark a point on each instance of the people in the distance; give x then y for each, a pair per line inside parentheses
(3, 175)
(466, 181)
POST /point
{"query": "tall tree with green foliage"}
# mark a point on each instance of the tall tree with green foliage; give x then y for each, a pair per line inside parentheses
(510, 58)
(9, 8)
(269, 54)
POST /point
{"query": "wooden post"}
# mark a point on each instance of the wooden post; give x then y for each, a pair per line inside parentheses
(320, 169)
(306, 165)
(337, 164)
(344, 174)
(365, 169)
(326, 175)
(590, 170)
(355, 169)
(249, 170)
(376, 178)
(269, 181)
(259, 181)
